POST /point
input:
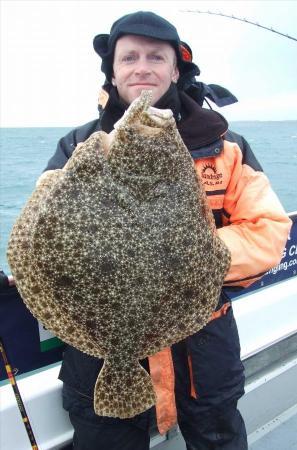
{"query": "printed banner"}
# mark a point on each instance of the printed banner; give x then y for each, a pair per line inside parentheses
(47, 340)
(27, 345)
(287, 267)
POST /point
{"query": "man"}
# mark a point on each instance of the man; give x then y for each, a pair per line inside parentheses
(143, 52)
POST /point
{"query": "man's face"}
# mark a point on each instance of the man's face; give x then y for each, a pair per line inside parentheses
(143, 63)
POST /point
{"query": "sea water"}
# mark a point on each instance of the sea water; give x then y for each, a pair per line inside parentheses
(25, 152)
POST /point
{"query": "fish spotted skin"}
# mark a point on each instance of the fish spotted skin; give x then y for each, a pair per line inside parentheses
(117, 253)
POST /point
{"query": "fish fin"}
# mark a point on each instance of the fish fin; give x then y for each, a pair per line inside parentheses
(47, 178)
(123, 392)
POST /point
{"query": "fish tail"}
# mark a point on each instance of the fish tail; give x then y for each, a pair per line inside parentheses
(123, 392)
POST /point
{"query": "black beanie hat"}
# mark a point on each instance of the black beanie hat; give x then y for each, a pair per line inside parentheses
(146, 24)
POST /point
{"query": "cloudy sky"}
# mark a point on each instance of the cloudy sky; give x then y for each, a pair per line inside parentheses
(50, 75)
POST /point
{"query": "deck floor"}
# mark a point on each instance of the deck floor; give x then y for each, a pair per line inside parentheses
(279, 434)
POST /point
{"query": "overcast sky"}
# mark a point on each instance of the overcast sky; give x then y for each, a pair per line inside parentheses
(50, 74)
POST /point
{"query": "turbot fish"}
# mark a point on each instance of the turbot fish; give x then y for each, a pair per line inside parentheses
(117, 252)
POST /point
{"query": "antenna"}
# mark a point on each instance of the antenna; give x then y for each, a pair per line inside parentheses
(240, 19)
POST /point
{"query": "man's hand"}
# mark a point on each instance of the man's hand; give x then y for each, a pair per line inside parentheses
(6, 280)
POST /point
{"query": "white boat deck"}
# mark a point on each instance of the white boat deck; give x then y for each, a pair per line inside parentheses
(279, 434)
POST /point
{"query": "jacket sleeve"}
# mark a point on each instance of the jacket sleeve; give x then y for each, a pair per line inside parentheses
(68, 143)
(64, 150)
(256, 225)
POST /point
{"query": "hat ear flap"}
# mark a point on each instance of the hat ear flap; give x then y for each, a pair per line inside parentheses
(100, 44)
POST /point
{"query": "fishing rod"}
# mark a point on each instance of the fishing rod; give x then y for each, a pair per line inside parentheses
(241, 20)
(18, 397)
